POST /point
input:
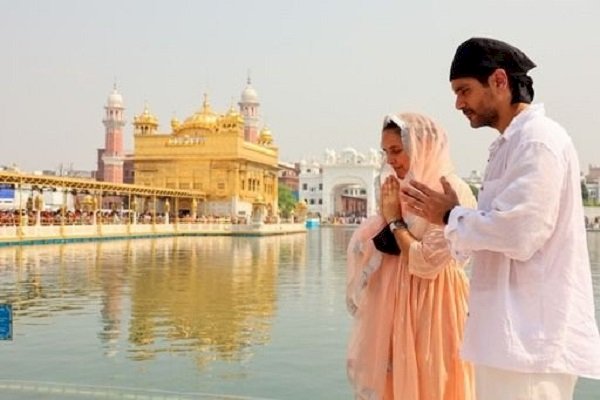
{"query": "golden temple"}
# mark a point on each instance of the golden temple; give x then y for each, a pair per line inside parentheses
(224, 156)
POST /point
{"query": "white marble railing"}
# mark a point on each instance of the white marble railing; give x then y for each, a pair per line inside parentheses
(15, 234)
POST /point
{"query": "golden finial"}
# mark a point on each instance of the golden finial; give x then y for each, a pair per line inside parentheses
(232, 109)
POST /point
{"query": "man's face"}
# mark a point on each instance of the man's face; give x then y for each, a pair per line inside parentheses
(476, 100)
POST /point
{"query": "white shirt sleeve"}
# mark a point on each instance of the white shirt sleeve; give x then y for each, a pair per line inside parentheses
(517, 213)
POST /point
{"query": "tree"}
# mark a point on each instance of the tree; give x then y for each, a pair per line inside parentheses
(286, 200)
(584, 192)
(475, 190)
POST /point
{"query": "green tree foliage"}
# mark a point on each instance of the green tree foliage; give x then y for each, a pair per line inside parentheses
(474, 190)
(584, 192)
(285, 200)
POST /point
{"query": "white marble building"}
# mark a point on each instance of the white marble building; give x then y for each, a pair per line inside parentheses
(321, 184)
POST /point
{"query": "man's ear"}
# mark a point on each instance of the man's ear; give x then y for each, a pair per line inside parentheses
(499, 79)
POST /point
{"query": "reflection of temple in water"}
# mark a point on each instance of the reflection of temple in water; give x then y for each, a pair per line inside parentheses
(36, 293)
(213, 297)
(112, 273)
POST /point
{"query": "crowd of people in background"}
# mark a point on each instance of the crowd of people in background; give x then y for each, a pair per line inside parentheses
(592, 223)
(16, 217)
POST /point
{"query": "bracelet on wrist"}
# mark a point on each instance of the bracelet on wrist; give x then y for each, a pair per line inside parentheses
(389, 221)
(397, 224)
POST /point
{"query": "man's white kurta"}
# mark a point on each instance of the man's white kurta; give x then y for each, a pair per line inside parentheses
(531, 305)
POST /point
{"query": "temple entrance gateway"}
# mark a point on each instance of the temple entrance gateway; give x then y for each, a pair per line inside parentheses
(349, 201)
(343, 185)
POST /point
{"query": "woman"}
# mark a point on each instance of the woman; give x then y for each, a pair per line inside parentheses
(409, 309)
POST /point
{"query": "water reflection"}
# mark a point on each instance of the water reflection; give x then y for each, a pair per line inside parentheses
(593, 238)
(212, 298)
(262, 317)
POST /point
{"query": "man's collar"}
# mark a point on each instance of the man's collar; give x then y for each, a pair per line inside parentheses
(516, 124)
(521, 118)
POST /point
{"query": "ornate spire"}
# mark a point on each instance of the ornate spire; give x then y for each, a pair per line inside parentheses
(232, 109)
(206, 108)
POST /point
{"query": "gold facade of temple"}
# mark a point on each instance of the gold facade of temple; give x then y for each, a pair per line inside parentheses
(210, 153)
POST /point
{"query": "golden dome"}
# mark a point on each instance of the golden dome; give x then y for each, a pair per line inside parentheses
(175, 123)
(232, 112)
(265, 136)
(205, 118)
(145, 118)
(231, 120)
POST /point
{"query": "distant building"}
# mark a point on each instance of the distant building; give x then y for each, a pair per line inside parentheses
(128, 169)
(10, 168)
(66, 172)
(289, 176)
(593, 173)
(592, 184)
(310, 191)
(342, 185)
(593, 189)
(354, 201)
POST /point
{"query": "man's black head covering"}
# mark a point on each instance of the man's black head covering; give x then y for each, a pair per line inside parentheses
(479, 57)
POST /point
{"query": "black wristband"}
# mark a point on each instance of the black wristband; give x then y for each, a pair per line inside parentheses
(446, 216)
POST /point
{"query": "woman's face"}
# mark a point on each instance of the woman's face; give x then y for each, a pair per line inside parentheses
(393, 149)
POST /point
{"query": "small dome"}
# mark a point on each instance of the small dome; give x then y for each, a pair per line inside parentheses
(146, 118)
(232, 119)
(249, 95)
(265, 136)
(175, 123)
(115, 99)
(232, 112)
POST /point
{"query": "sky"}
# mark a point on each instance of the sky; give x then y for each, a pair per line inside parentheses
(326, 71)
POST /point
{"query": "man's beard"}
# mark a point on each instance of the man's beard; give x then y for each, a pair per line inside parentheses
(488, 117)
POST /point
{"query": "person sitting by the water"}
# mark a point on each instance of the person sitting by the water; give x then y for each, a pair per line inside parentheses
(406, 292)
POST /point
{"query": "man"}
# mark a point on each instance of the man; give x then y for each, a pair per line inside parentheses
(531, 329)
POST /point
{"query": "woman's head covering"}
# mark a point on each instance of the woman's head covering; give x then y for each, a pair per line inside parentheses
(426, 143)
(479, 57)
